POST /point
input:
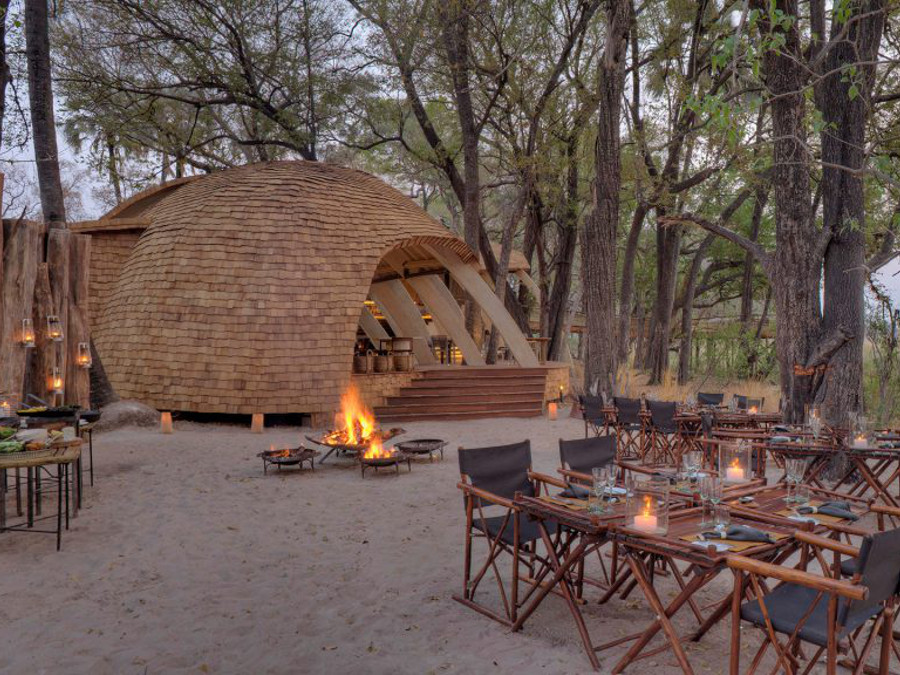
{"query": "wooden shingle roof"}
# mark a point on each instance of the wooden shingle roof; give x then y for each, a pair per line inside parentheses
(243, 293)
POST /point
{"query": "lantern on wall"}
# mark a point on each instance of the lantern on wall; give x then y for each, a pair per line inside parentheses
(54, 328)
(647, 508)
(27, 336)
(56, 380)
(735, 462)
(83, 359)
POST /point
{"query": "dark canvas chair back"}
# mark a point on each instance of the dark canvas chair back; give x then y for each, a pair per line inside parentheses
(593, 408)
(628, 410)
(501, 470)
(879, 566)
(584, 454)
(755, 403)
(662, 415)
(740, 402)
(710, 399)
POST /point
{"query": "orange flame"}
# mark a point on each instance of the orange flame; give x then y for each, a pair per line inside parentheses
(648, 503)
(376, 450)
(355, 421)
(735, 464)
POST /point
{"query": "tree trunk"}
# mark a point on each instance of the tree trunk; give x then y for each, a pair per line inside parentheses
(43, 125)
(687, 309)
(843, 201)
(112, 167)
(797, 262)
(455, 17)
(626, 292)
(640, 319)
(747, 282)
(668, 249)
(5, 76)
(599, 242)
(558, 302)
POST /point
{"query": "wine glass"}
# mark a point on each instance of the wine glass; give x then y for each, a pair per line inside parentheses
(722, 518)
(706, 484)
(600, 474)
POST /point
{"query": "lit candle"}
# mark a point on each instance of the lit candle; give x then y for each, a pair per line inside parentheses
(56, 381)
(84, 359)
(646, 521)
(734, 473)
(561, 394)
(54, 328)
(5, 409)
(753, 410)
(27, 333)
(860, 441)
(551, 409)
(165, 423)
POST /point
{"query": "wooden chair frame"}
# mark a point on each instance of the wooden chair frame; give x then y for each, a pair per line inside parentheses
(750, 581)
(522, 553)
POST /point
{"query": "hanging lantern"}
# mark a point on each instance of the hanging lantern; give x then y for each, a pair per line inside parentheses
(54, 328)
(735, 462)
(84, 359)
(56, 381)
(27, 337)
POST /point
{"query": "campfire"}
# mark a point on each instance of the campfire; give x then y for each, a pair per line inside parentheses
(357, 429)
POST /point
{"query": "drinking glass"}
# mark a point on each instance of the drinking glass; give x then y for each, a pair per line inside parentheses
(723, 519)
(705, 490)
(801, 494)
(629, 484)
(692, 461)
(597, 503)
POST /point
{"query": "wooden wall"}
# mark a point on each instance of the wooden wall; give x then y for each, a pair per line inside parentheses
(42, 274)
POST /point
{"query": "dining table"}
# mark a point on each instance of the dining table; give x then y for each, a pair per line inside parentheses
(683, 554)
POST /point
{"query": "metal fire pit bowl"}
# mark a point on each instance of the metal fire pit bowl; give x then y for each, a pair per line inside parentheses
(423, 446)
(294, 456)
(355, 449)
(395, 460)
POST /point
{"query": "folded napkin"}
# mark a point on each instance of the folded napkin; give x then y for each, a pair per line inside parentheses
(573, 491)
(780, 439)
(836, 509)
(780, 427)
(741, 533)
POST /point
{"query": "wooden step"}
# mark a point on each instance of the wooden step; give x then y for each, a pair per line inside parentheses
(452, 373)
(449, 417)
(432, 395)
(467, 406)
(537, 383)
(459, 387)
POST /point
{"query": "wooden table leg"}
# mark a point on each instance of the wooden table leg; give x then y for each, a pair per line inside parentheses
(29, 494)
(2, 500)
(663, 614)
(879, 490)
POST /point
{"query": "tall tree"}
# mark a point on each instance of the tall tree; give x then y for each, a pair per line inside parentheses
(43, 125)
(601, 227)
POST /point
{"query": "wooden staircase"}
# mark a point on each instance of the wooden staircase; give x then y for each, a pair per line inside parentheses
(468, 393)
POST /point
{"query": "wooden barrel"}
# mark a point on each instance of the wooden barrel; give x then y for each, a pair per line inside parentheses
(403, 363)
(382, 363)
(402, 344)
(360, 363)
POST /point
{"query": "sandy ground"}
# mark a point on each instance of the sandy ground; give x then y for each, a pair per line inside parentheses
(186, 559)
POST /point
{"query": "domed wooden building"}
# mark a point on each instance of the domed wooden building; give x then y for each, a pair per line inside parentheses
(243, 291)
